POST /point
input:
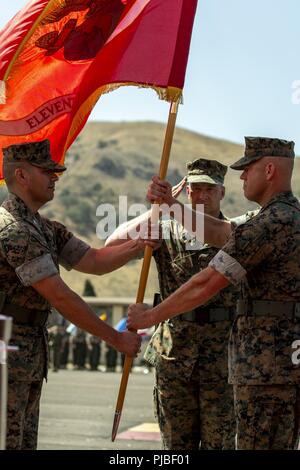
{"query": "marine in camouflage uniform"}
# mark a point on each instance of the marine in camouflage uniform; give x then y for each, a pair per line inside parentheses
(264, 255)
(193, 401)
(31, 248)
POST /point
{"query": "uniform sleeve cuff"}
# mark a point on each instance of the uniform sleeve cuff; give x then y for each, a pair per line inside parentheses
(37, 269)
(72, 252)
(228, 267)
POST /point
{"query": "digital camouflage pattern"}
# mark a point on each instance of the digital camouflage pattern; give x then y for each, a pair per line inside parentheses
(267, 417)
(23, 396)
(27, 367)
(265, 253)
(35, 153)
(259, 147)
(202, 170)
(31, 249)
(189, 356)
(176, 264)
(189, 411)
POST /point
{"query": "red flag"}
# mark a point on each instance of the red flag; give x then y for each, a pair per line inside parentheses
(57, 57)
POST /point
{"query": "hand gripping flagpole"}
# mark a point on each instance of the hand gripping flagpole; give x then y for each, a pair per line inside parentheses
(147, 260)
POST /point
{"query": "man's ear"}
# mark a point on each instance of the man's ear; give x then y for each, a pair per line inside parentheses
(21, 176)
(223, 190)
(188, 190)
(269, 170)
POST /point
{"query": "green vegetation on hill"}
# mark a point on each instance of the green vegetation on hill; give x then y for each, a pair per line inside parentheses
(112, 159)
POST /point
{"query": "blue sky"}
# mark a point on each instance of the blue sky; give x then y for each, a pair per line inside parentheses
(244, 58)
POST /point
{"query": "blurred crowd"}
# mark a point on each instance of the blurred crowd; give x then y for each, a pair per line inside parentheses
(71, 347)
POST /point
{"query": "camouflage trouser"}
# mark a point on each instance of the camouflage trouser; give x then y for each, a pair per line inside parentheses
(267, 416)
(192, 415)
(26, 369)
(23, 415)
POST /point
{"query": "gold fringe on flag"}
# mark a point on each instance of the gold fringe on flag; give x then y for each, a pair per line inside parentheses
(170, 94)
(2, 92)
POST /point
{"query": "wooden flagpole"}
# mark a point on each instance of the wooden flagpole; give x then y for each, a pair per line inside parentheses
(147, 260)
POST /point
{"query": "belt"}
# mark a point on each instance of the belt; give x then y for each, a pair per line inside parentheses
(269, 308)
(205, 315)
(25, 316)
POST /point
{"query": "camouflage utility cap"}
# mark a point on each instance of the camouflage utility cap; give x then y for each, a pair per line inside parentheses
(35, 153)
(206, 171)
(259, 147)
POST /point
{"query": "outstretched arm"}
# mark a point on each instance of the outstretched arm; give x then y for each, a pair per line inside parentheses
(197, 291)
(127, 230)
(108, 259)
(215, 231)
(72, 307)
(141, 224)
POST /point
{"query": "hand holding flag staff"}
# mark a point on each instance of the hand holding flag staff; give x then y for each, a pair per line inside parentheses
(57, 57)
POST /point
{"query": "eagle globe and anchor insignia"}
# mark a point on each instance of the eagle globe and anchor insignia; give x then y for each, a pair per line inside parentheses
(83, 37)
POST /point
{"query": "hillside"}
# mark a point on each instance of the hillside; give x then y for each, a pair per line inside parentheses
(112, 159)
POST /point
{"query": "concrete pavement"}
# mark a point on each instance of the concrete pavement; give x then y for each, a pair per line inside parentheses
(77, 411)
